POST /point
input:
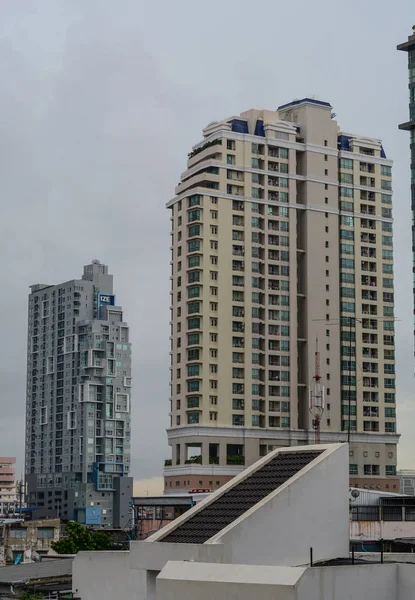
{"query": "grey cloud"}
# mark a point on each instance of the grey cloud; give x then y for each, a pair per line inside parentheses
(99, 105)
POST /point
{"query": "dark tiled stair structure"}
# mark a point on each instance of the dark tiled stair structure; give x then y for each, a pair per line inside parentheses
(229, 506)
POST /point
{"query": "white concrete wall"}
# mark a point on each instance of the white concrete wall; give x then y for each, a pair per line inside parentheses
(361, 582)
(406, 580)
(201, 581)
(195, 590)
(310, 512)
(153, 556)
(98, 575)
(400, 557)
(376, 530)
(191, 581)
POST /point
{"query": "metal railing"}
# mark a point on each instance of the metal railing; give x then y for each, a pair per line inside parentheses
(382, 513)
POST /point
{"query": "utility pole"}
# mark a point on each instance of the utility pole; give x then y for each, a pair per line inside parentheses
(20, 496)
(316, 400)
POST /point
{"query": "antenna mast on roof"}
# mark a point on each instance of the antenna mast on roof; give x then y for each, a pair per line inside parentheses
(316, 398)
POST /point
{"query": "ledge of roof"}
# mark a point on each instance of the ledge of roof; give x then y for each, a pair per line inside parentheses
(305, 101)
(228, 573)
(408, 44)
(407, 126)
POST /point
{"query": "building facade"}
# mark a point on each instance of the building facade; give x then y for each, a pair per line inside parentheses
(407, 481)
(7, 484)
(281, 235)
(78, 400)
(26, 541)
(409, 47)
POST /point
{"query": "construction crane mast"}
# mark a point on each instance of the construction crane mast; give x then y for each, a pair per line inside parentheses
(316, 396)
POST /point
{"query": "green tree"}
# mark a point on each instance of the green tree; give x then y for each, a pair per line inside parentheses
(30, 596)
(79, 538)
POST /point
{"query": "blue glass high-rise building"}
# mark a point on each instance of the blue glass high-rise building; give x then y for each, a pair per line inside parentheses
(78, 425)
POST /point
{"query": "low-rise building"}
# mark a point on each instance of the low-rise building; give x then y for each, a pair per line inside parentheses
(335, 581)
(7, 485)
(279, 529)
(51, 577)
(382, 521)
(27, 541)
(407, 481)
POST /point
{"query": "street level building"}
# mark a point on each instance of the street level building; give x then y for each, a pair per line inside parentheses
(26, 541)
(407, 481)
(78, 400)
(281, 236)
(51, 577)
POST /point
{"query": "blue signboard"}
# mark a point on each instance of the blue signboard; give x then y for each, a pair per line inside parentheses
(92, 515)
(108, 299)
(105, 300)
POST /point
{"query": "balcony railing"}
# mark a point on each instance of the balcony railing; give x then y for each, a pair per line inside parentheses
(194, 460)
(235, 460)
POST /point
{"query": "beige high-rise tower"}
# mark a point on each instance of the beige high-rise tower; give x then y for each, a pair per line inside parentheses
(281, 236)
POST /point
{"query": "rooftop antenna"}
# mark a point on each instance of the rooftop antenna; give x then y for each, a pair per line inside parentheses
(316, 398)
(353, 496)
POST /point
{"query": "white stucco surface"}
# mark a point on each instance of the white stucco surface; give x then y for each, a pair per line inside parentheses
(359, 582)
(309, 511)
(223, 582)
(400, 557)
(98, 575)
(179, 571)
(154, 556)
(190, 581)
(406, 578)
(377, 530)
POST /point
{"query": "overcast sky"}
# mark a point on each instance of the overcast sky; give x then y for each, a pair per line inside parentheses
(100, 103)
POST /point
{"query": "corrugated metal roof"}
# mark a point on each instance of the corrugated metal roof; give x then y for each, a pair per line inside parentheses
(372, 497)
(229, 506)
(41, 570)
(163, 501)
